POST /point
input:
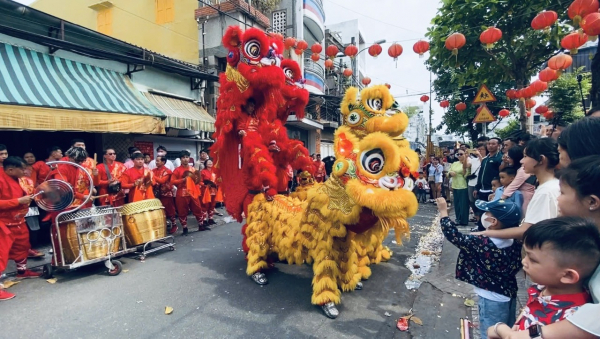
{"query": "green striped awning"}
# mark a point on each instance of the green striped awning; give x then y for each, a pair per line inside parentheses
(182, 114)
(35, 79)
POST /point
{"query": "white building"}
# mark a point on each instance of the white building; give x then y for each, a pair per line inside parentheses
(350, 32)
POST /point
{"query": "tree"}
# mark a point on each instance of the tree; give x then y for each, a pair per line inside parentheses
(511, 62)
(512, 127)
(266, 6)
(411, 110)
(565, 97)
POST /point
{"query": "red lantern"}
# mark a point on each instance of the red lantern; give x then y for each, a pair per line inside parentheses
(539, 86)
(388, 86)
(527, 92)
(395, 50)
(511, 94)
(454, 42)
(504, 113)
(541, 109)
(329, 64)
(375, 50)
(530, 103)
(420, 47)
(289, 42)
(560, 62)
(591, 25)
(544, 20)
(315, 57)
(301, 45)
(424, 98)
(366, 81)
(490, 36)
(445, 104)
(548, 75)
(461, 106)
(549, 115)
(528, 114)
(278, 36)
(351, 51)
(332, 51)
(573, 41)
(298, 51)
(316, 48)
(347, 72)
(580, 8)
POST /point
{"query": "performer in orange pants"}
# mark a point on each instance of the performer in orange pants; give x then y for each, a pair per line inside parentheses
(209, 198)
(139, 179)
(186, 178)
(164, 190)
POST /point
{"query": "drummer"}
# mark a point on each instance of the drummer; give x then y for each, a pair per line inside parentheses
(109, 188)
(187, 197)
(164, 190)
(78, 180)
(41, 169)
(88, 163)
(138, 179)
(14, 234)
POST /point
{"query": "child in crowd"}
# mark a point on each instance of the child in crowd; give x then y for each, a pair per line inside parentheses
(560, 256)
(495, 185)
(421, 188)
(489, 264)
(507, 175)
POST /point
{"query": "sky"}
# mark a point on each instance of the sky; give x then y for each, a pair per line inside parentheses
(401, 21)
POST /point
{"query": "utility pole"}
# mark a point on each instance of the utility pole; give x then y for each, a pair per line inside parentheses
(353, 61)
(429, 141)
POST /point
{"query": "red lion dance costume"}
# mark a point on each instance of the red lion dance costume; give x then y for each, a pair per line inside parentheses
(252, 151)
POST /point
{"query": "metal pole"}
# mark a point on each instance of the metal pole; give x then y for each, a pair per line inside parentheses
(353, 61)
(429, 141)
(203, 46)
(579, 79)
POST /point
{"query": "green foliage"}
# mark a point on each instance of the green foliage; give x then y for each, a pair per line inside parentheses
(513, 126)
(565, 96)
(411, 110)
(511, 62)
(266, 6)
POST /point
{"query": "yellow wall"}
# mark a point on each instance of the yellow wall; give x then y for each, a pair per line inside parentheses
(134, 21)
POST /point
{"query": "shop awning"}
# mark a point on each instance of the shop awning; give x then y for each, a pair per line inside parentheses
(182, 113)
(45, 85)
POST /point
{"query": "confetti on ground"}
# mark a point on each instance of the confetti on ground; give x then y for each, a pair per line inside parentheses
(469, 302)
(428, 251)
(52, 281)
(168, 310)
(387, 314)
(125, 271)
(10, 283)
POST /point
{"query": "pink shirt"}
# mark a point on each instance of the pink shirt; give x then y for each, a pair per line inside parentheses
(519, 184)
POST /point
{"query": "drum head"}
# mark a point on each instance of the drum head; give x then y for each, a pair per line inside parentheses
(55, 195)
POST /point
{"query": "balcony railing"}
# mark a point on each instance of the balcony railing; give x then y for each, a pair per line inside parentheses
(314, 67)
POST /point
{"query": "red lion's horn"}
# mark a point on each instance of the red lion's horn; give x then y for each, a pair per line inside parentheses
(233, 37)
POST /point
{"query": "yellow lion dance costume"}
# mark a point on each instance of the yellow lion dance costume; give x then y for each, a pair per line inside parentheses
(369, 192)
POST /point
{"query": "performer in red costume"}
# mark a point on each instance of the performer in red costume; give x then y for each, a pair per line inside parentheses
(88, 163)
(209, 198)
(14, 204)
(321, 172)
(42, 170)
(139, 180)
(115, 170)
(164, 190)
(75, 177)
(186, 178)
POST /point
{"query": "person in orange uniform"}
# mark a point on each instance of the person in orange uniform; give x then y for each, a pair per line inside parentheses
(88, 163)
(107, 185)
(209, 178)
(30, 173)
(41, 169)
(186, 178)
(29, 181)
(321, 172)
(164, 190)
(14, 235)
(139, 180)
(3, 155)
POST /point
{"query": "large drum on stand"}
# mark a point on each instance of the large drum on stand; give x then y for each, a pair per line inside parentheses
(144, 221)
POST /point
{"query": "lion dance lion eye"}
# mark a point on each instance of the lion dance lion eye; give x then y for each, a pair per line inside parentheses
(252, 49)
(288, 72)
(373, 161)
(353, 119)
(375, 104)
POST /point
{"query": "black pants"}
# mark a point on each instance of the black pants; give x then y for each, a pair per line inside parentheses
(484, 197)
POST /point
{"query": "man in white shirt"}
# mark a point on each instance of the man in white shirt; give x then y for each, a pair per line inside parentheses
(161, 151)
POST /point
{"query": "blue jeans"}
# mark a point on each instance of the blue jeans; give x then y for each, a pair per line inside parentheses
(492, 312)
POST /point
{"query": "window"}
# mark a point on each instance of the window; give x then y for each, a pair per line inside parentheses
(279, 21)
(104, 18)
(165, 11)
(221, 64)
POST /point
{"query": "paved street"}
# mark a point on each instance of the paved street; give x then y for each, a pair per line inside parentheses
(204, 281)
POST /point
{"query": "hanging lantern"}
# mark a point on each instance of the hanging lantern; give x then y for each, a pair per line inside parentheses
(388, 86)
(316, 48)
(329, 64)
(315, 57)
(298, 51)
(511, 94)
(528, 114)
(375, 50)
(366, 81)
(548, 75)
(332, 51)
(289, 42)
(421, 47)
(424, 98)
(504, 113)
(454, 42)
(347, 72)
(302, 45)
(530, 103)
(527, 92)
(539, 86)
(591, 25)
(461, 106)
(549, 115)
(542, 109)
(519, 94)
(490, 36)
(395, 50)
(351, 51)
(580, 8)
(560, 62)
(573, 41)
(445, 104)
(277, 36)
(544, 20)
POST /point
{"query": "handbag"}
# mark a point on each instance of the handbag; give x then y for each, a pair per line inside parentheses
(115, 186)
(473, 175)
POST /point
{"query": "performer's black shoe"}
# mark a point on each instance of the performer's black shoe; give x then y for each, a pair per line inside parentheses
(330, 310)
(211, 222)
(359, 286)
(185, 231)
(259, 278)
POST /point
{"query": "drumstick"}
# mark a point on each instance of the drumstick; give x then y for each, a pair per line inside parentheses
(100, 196)
(95, 159)
(38, 193)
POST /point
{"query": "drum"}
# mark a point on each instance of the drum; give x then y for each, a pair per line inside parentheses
(144, 221)
(90, 233)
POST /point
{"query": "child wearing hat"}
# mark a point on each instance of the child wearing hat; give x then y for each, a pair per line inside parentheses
(489, 264)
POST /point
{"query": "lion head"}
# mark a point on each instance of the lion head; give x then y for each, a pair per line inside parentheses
(293, 92)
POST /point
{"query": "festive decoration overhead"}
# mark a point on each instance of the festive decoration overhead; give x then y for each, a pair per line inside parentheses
(445, 104)
(548, 75)
(302, 45)
(316, 48)
(549, 115)
(329, 64)
(347, 72)
(366, 81)
(315, 57)
(591, 25)
(375, 50)
(544, 20)
(504, 113)
(528, 114)
(289, 42)
(560, 62)
(580, 8)
(351, 51)
(388, 86)
(573, 41)
(530, 103)
(332, 51)
(511, 94)
(527, 92)
(461, 106)
(278, 36)
(542, 109)
(395, 50)
(421, 47)
(490, 36)
(454, 42)
(424, 98)
(539, 86)
(298, 51)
